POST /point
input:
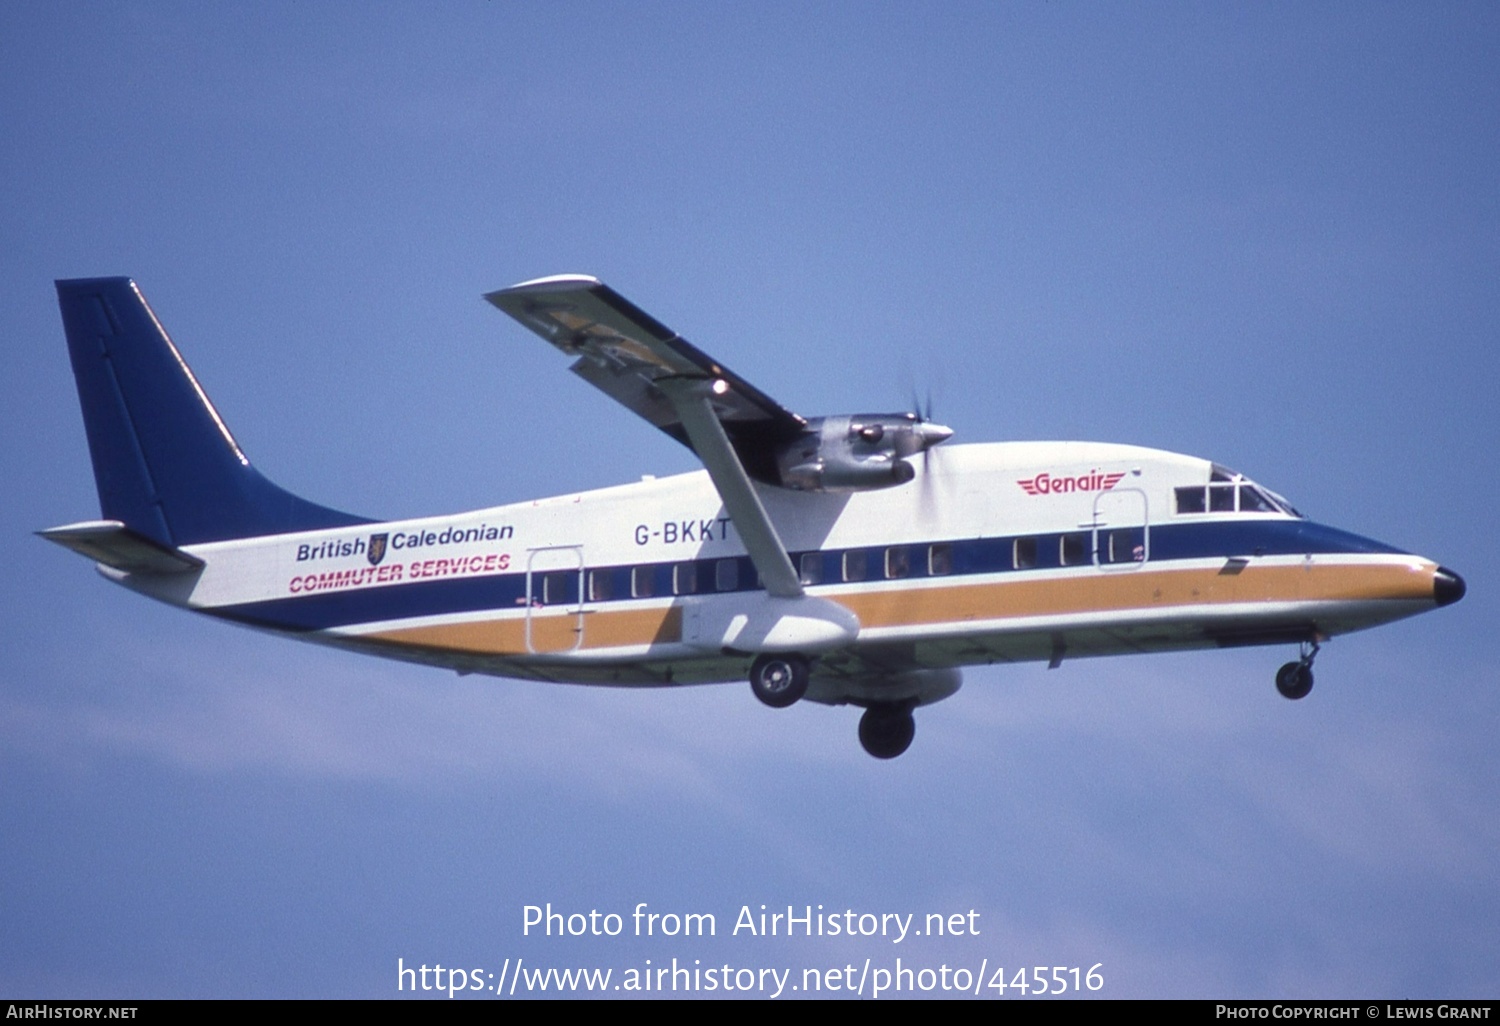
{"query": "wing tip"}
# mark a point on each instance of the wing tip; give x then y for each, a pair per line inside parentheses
(553, 283)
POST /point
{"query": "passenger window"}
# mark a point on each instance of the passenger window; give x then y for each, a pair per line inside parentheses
(727, 574)
(810, 568)
(555, 587)
(1126, 546)
(897, 562)
(685, 579)
(856, 566)
(1023, 554)
(640, 582)
(1074, 549)
(600, 589)
(939, 560)
(1190, 500)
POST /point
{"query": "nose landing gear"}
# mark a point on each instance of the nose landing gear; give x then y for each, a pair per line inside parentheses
(1295, 680)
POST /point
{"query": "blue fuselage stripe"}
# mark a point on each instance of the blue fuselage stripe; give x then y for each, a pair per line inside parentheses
(969, 557)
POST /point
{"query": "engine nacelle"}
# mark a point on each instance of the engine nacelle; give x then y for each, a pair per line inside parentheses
(857, 453)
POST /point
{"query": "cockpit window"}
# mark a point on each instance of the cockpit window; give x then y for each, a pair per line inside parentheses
(1228, 492)
(1190, 500)
(1287, 506)
(1253, 500)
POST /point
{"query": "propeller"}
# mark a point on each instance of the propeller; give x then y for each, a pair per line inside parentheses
(923, 434)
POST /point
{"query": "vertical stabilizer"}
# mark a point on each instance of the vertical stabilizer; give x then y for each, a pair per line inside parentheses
(164, 462)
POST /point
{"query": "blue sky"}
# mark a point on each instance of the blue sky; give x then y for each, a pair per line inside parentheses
(1265, 233)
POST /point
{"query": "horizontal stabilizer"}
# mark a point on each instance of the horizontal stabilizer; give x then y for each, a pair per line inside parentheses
(113, 544)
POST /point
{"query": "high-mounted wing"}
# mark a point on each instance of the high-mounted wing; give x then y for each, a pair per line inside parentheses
(627, 354)
(733, 426)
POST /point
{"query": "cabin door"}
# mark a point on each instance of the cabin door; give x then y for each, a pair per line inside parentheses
(1122, 529)
(554, 599)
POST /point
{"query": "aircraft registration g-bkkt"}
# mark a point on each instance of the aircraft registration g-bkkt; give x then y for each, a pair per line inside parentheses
(847, 559)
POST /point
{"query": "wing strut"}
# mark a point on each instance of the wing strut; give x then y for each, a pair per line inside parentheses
(691, 399)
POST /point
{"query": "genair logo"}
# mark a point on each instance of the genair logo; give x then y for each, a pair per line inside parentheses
(1047, 484)
(377, 548)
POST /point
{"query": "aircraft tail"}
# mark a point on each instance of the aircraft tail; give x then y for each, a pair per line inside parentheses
(165, 464)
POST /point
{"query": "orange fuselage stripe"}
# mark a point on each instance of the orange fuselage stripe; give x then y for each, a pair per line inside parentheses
(1099, 592)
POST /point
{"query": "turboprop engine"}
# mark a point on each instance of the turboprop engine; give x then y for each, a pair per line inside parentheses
(857, 453)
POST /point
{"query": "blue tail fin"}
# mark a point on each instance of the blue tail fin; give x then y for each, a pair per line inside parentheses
(165, 464)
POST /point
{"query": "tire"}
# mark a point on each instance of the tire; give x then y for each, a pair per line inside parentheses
(1294, 680)
(886, 731)
(779, 680)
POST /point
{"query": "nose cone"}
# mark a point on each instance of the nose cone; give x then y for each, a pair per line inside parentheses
(1447, 586)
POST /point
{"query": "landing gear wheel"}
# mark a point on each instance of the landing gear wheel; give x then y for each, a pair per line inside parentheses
(886, 730)
(779, 680)
(1294, 680)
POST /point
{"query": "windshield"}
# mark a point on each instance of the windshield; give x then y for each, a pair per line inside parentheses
(1230, 492)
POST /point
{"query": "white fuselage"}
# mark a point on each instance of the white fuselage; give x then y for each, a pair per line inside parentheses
(994, 553)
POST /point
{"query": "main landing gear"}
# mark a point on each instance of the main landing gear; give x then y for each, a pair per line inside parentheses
(886, 729)
(1295, 680)
(779, 680)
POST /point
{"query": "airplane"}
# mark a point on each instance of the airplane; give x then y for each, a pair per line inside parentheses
(851, 559)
